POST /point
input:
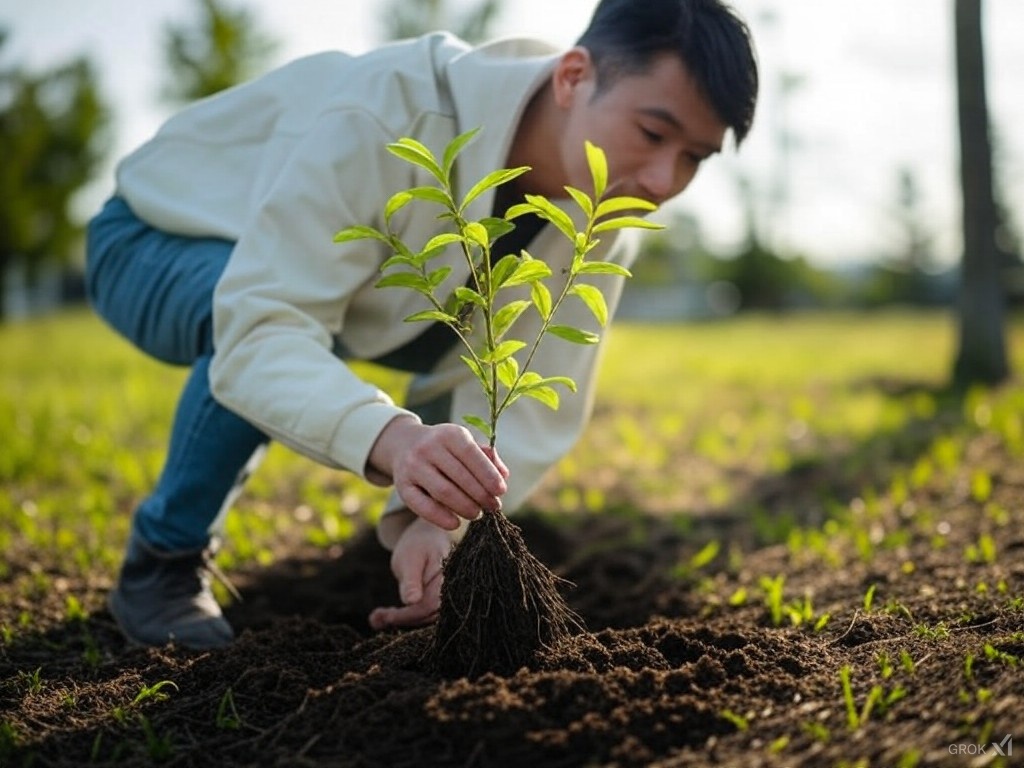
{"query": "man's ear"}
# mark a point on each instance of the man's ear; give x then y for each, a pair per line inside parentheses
(574, 76)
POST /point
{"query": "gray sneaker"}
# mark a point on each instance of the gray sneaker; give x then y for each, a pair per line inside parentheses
(164, 597)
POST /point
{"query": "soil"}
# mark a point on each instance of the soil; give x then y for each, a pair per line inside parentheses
(675, 668)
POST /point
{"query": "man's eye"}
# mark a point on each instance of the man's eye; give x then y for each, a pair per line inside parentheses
(651, 136)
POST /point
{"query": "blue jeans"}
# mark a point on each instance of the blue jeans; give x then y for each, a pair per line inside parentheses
(156, 289)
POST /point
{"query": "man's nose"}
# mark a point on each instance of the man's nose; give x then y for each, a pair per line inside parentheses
(657, 180)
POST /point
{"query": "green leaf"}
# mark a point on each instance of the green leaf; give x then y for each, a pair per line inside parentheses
(397, 259)
(546, 395)
(477, 233)
(503, 350)
(575, 335)
(551, 212)
(507, 315)
(528, 272)
(565, 381)
(521, 209)
(468, 295)
(491, 180)
(432, 315)
(528, 379)
(582, 200)
(541, 297)
(359, 232)
(396, 202)
(445, 238)
(503, 270)
(477, 371)
(405, 280)
(624, 203)
(455, 146)
(476, 421)
(594, 299)
(416, 153)
(508, 371)
(626, 221)
(602, 268)
(431, 194)
(598, 169)
(497, 226)
(438, 276)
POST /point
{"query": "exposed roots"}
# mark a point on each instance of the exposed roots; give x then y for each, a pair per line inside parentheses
(500, 606)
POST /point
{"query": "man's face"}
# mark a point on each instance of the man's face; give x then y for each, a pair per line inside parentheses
(655, 127)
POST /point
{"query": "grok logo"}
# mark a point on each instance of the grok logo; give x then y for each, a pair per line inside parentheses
(1004, 748)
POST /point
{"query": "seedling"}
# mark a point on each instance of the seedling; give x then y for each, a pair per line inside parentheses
(499, 605)
(984, 551)
(877, 698)
(818, 731)
(158, 747)
(773, 597)
(697, 561)
(869, 598)
(939, 632)
(738, 720)
(907, 662)
(33, 681)
(227, 715)
(154, 692)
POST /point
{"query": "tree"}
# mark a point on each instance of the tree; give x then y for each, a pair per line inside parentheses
(408, 18)
(223, 48)
(53, 130)
(981, 357)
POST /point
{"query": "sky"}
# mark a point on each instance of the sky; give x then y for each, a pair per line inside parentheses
(875, 93)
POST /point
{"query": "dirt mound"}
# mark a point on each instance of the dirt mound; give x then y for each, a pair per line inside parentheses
(893, 661)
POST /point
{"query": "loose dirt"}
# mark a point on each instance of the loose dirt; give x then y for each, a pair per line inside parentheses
(680, 666)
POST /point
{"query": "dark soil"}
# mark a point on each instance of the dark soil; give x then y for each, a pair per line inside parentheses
(676, 669)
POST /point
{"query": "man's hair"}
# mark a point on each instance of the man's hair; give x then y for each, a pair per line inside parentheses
(714, 44)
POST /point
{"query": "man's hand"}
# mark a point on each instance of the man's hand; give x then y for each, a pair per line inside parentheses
(416, 563)
(439, 471)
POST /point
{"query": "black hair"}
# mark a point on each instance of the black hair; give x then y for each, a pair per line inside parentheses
(709, 38)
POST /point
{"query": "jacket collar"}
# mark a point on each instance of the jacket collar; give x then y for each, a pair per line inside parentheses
(490, 87)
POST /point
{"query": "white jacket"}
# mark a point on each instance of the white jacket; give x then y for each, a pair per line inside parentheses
(281, 164)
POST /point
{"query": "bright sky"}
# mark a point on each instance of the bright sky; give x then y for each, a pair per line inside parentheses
(877, 93)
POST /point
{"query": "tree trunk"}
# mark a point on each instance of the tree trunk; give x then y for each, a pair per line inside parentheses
(981, 357)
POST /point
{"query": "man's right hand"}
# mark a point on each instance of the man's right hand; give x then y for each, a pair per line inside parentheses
(439, 471)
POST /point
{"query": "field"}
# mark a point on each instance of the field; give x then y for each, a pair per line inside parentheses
(791, 546)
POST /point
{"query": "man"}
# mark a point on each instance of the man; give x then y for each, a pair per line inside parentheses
(216, 252)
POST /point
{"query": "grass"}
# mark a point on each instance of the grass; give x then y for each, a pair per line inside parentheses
(692, 421)
(85, 417)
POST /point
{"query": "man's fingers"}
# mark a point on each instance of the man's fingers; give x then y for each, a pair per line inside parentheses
(406, 616)
(458, 442)
(416, 614)
(422, 504)
(452, 485)
(492, 454)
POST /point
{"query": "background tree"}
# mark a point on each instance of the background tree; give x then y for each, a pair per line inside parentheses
(222, 48)
(401, 19)
(981, 356)
(54, 134)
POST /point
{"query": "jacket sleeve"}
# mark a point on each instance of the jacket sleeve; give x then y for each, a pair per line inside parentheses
(532, 437)
(284, 295)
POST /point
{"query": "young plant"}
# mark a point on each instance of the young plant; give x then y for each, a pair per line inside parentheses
(492, 359)
(499, 605)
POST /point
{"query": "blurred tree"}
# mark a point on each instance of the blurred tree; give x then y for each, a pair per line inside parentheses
(911, 274)
(981, 357)
(54, 135)
(222, 48)
(402, 19)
